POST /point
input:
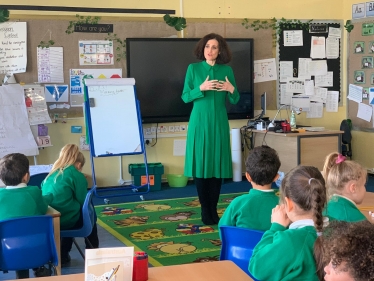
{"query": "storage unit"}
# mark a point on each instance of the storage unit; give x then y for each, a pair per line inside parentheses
(155, 171)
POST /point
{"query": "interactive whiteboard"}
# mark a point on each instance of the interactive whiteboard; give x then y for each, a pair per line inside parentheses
(113, 117)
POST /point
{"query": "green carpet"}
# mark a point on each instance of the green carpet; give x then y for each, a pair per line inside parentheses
(170, 231)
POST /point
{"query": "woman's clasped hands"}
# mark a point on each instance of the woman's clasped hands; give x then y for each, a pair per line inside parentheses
(209, 85)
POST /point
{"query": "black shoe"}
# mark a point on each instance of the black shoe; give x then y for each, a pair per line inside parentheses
(42, 272)
(65, 261)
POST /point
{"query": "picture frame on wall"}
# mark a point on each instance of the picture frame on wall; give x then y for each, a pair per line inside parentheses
(367, 62)
(359, 77)
(359, 47)
(371, 47)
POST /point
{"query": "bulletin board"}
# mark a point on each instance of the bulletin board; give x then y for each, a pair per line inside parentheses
(45, 29)
(362, 34)
(293, 53)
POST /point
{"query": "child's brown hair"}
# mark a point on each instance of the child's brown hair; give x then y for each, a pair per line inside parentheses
(305, 186)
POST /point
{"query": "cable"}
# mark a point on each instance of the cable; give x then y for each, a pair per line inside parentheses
(156, 136)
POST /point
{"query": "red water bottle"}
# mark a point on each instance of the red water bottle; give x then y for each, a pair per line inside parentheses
(140, 269)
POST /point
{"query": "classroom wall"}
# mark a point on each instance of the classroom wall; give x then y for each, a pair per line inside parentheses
(107, 170)
(362, 148)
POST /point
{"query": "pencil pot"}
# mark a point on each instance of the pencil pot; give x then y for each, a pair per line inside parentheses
(140, 268)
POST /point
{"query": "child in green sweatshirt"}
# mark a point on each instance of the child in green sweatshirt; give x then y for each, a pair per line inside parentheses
(253, 210)
(19, 200)
(69, 186)
(345, 183)
(285, 252)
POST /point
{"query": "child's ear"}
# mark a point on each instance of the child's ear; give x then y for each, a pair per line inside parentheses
(352, 187)
(248, 177)
(78, 166)
(26, 178)
(276, 177)
(289, 204)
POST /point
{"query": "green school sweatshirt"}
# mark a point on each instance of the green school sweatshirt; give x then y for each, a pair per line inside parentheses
(285, 254)
(340, 208)
(69, 191)
(23, 202)
(252, 210)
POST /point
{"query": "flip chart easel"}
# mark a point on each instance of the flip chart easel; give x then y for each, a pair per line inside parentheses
(114, 124)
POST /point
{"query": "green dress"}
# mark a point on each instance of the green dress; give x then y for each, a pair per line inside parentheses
(208, 152)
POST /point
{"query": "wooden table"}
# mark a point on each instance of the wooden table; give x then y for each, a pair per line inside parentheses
(56, 233)
(208, 271)
(309, 148)
(368, 205)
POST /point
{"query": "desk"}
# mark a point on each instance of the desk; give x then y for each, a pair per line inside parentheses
(367, 205)
(309, 148)
(208, 271)
(56, 233)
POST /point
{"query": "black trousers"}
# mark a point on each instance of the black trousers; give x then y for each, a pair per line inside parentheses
(67, 242)
(208, 191)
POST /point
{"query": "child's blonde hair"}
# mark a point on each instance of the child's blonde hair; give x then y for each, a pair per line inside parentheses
(338, 172)
(305, 186)
(69, 155)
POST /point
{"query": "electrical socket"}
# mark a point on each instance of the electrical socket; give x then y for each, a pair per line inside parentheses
(153, 130)
(148, 131)
(177, 128)
(171, 129)
(164, 129)
(158, 130)
(183, 128)
(148, 141)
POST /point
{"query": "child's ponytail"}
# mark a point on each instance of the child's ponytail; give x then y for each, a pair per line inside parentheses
(318, 193)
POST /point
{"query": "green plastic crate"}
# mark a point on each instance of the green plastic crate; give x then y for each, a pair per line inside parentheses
(155, 171)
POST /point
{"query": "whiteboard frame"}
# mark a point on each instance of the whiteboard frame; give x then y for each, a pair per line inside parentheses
(87, 108)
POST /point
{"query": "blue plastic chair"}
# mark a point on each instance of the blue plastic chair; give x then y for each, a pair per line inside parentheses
(89, 219)
(37, 179)
(238, 244)
(27, 242)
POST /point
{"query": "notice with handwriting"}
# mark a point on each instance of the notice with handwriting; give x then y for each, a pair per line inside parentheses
(15, 131)
(13, 47)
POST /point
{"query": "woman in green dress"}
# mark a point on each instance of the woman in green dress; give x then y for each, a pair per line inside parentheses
(208, 153)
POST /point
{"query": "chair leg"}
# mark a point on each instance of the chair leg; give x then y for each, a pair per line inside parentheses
(22, 274)
(79, 249)
(88, 242)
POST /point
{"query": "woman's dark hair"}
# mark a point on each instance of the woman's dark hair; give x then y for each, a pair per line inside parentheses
(349, 244)
(305, 186)
(224, 55)
(13, 167)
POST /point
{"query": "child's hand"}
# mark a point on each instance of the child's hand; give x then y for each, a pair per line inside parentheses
(279, 215)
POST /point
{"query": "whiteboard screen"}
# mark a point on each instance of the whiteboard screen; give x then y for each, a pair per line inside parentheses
(114, 118)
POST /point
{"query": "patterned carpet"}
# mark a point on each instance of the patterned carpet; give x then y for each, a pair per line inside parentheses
(170, 231)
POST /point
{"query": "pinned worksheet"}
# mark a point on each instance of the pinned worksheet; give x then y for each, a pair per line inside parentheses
(317, 49)
(355, 93)
(364, 111)
(293, 38)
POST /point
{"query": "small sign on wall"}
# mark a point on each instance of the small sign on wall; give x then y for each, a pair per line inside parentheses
(94, 28)
(358, 11)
